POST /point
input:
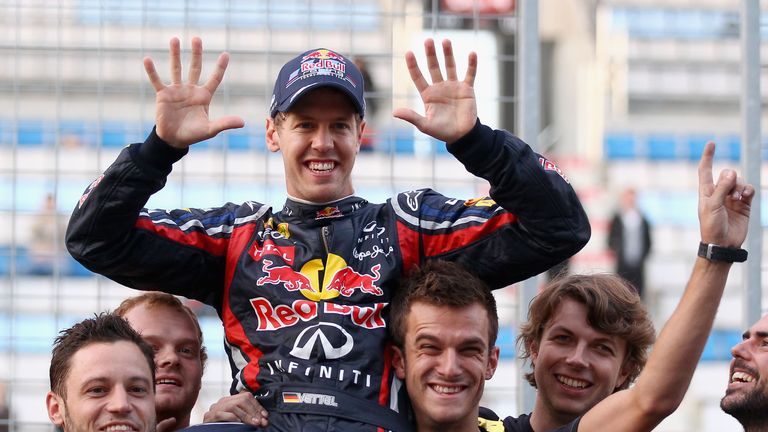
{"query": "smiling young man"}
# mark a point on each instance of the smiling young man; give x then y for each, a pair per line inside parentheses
(444, 326)
(102, 378)
(746, 398)
(302, 290)
(586, 335)
(173, 332)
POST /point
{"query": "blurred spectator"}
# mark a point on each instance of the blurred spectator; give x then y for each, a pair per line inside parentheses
(46, 245)
(629, 238)
(5, 412)
(371, 103)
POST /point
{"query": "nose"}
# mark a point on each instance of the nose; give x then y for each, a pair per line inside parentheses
(741, 350)
(119, 401)
(166, 357)
(449, 364)
(323, 139)
(577, 356)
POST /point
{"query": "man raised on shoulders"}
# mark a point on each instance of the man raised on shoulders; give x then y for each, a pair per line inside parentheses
(299, 289)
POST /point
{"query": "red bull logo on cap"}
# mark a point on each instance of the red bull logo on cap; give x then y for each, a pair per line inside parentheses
(323, 54)
(323, 61)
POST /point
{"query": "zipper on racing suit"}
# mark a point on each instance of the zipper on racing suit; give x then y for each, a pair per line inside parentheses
(325, 236)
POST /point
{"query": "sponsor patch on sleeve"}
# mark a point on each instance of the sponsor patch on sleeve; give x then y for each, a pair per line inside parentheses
(88, 191)
(548, 165)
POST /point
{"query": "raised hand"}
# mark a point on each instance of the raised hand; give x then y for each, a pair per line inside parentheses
(182, 108)
(723, 207)
(242, 407)
(450, 109)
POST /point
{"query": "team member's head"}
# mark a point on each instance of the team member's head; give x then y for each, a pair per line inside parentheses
(746, 398)
(586, 336)
(444, 326)
(316, 121)
(102, 378)
(173, 332)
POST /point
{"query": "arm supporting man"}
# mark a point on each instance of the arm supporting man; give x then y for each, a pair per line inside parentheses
(723, 216)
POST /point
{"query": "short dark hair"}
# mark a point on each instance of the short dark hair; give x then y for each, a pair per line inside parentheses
(440, 283)
(102, 328)
(158, 299)
(613, 307)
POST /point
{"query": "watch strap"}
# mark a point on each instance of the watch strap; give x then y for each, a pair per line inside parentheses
(714, 252)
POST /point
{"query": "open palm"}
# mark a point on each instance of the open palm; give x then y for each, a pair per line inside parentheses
(182, 117)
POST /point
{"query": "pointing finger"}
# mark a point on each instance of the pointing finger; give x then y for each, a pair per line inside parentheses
(706, 186)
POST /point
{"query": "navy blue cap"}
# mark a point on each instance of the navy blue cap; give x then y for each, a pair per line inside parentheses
(313, 69)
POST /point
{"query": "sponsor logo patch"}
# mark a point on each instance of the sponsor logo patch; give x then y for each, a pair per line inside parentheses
(310, 398)
(548, 165)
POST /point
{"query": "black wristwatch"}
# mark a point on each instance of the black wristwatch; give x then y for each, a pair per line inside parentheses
(714, 252)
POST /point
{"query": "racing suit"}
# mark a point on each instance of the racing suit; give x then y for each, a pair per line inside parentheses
(302, 292)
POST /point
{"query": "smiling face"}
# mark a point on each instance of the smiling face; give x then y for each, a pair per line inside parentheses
(179, 368)
(746, 397)
(575, 365)
(108, 389)
(445, 361)
(319, 138)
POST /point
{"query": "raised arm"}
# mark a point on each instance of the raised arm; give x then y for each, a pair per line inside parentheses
(723, 217)
(450, 109)
(182, 108)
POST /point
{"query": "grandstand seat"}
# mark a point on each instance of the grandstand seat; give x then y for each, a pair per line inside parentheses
(695, 146)
(620, 146)
(662, 147)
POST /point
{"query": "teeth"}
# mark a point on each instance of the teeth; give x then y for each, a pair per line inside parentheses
(572, 382)
(742, 377)
(321, 166)
(446, 389)
(118, 428)
(167, 381)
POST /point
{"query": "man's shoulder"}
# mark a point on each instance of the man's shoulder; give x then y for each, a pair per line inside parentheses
(489, 421)
(221, 427)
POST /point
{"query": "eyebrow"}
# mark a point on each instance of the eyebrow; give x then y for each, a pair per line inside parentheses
(159, 338)
(432, 338)
(760, 334)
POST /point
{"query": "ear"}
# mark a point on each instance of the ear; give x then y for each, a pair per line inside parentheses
(272, 137)
(623, 376)
(493, 362)
(360, 130)
(398, 362)
(533, 349)
(56, 408)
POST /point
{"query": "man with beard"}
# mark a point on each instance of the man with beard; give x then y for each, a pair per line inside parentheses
(746, 398)
(102, 378)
